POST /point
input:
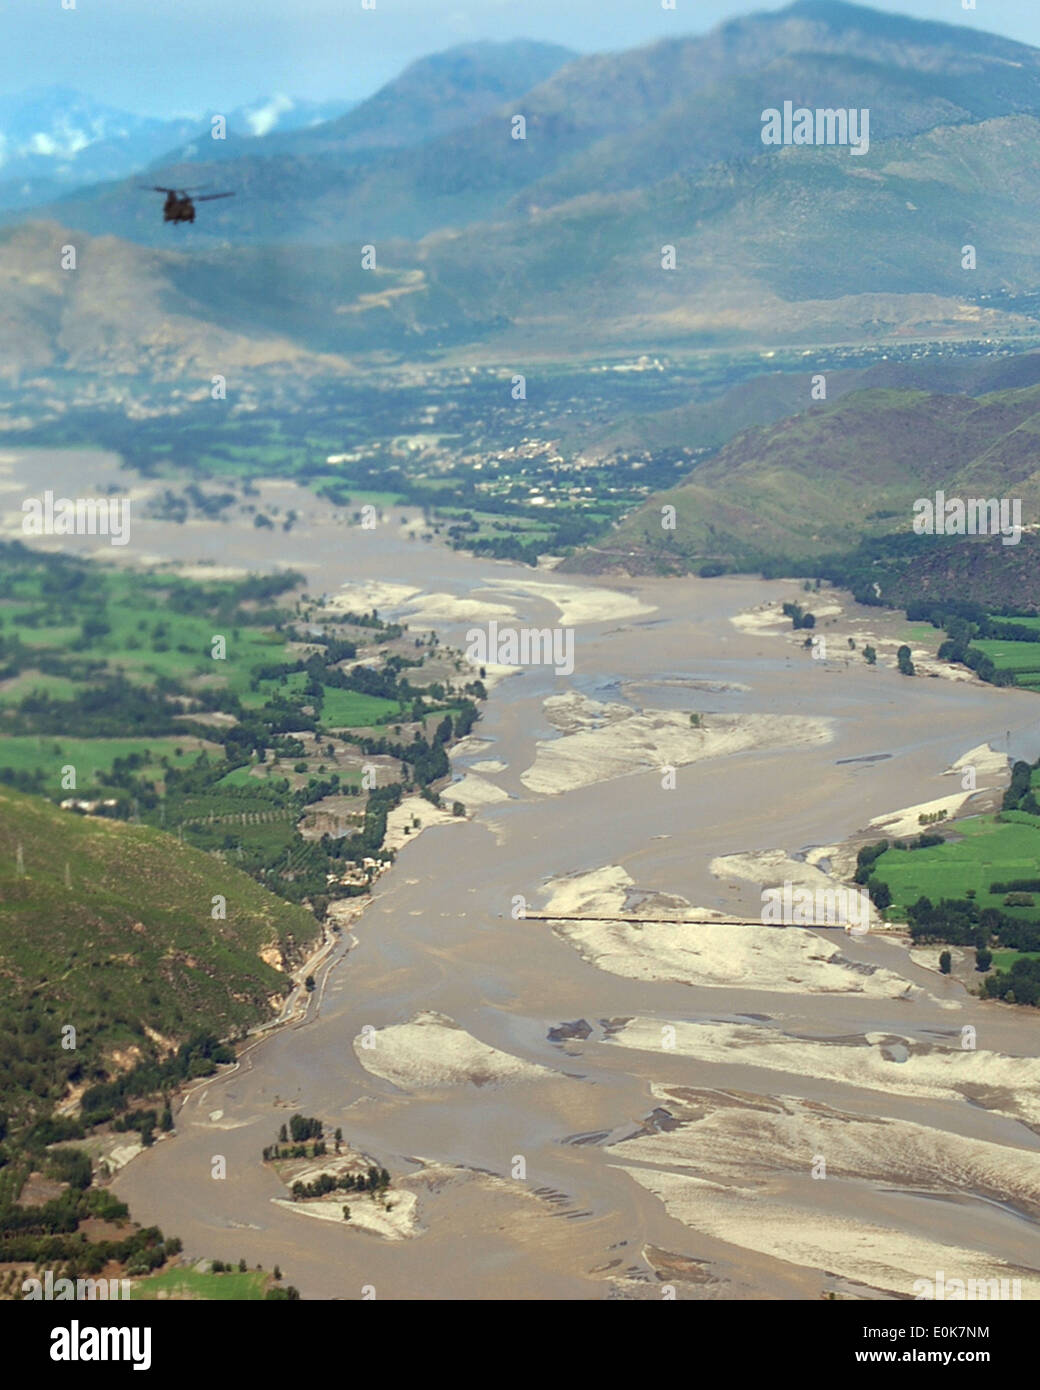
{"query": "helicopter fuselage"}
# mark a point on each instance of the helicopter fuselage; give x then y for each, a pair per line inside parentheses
(178, 209)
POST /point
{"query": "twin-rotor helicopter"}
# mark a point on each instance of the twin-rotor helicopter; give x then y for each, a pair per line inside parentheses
(180, 202)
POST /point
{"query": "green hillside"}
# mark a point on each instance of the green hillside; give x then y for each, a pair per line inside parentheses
(856, 466)
(107, 927)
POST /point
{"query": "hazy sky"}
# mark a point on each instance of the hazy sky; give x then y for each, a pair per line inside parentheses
(162, 57)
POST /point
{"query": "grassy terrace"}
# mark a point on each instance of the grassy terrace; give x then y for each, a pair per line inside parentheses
(184, 1283)
(974, 884)
(1021, 658)
(988, 850)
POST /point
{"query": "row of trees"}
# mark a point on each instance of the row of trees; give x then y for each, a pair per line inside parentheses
(375, 1180)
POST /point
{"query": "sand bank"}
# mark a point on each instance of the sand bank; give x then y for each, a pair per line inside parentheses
(895, 824)
(400, 822)
(885, 1062)
(881, 1257)
(448, 608)
(602, 741)
(578, 604)
(473, 792)
(396, 1219)
(735, 1139)
(749, 1154)
(432, 1050)
(768, 620)
(775, 960)
(373, 593)
(711, 954)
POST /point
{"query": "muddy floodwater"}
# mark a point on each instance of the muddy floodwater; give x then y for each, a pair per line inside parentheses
(811, 1112)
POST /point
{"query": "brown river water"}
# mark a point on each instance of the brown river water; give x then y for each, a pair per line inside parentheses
(735, 1207)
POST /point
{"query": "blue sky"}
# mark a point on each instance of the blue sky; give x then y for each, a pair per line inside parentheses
(163, 57)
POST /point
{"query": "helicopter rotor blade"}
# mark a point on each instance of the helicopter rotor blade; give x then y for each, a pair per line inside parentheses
(155, 188)
(210, 197)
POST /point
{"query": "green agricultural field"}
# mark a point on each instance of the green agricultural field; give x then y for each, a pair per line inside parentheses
(1023, 658)
(245, 777)
(344, 709)
(91, 757)
(916, 634)
(192, 1284)
(988, 851)
(1004, 960)
(125, 620)
(38, 683)
(284, 686)
(45, 635)
(1033, 623)
(181, 647)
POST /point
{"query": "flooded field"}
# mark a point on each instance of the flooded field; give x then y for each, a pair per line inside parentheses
(751, 1113)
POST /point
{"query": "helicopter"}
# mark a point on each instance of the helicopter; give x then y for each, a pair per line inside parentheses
(180, 202)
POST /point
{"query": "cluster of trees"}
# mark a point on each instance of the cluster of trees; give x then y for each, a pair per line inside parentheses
(903, 661)
(316, 1150)
(49, 1234)
(799, 617)
(198, 1056)
(960, 922)
(1019, 795)
(375, 1180)
(963, 622)
(302, 1128)
(145, 1122)
(1019, 985)
(368, 842)
(426, 761)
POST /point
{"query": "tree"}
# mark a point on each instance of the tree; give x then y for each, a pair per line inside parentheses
(338, 1136)
(346, 1213)
(983, 958)
(906, 666)
(880, 895)
(870, 655)
(945, 962)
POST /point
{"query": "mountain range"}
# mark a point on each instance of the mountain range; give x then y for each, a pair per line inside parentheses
(53, 139)
(489, 247)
